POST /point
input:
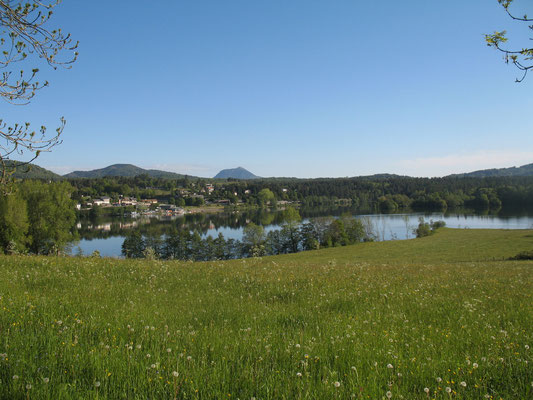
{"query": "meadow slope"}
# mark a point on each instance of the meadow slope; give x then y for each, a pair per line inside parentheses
(446, 316)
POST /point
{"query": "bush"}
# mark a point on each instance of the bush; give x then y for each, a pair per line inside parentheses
(524, 255)
(426, 229)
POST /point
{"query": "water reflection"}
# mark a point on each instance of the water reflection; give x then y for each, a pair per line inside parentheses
(106, 235)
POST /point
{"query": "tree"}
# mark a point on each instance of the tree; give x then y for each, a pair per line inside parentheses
(522, 59)
(265, 196)
(253, 240)
(51, 216)
(23, 36)
(133, 246)
(290, 232)
(13, 223)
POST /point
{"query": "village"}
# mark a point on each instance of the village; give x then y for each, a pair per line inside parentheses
(186, 201)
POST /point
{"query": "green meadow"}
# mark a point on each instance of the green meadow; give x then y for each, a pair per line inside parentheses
(443, 317)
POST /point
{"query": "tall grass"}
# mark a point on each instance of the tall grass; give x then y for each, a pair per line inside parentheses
(440, 317)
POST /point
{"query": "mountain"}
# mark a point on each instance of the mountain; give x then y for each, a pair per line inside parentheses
(31, 171)
(236, 173)
(127, 170)
(524, 170)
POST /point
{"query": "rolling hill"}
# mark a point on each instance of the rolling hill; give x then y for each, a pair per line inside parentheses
(128, 170)
(32, 171)
(524, 170)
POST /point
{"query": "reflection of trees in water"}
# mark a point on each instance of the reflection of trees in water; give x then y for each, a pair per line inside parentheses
(101, 228)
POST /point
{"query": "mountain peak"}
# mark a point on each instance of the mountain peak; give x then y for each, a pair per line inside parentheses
(235, 173)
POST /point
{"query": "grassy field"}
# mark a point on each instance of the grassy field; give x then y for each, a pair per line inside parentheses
(441, 317)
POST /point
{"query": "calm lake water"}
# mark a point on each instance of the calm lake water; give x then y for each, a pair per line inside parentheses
(107, 236)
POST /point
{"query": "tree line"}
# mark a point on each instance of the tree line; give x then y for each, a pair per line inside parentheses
(384, 194)
(291, 238)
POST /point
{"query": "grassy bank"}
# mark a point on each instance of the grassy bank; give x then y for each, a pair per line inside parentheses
(447, 313)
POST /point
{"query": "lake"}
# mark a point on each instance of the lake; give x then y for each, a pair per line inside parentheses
(107, 235)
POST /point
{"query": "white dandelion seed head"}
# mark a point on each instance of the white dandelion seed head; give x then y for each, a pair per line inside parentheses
(354, 369)
(426, 390)
(138, 346)
(388, 394)
(337, 384)
(297, 345)
(97, 384)
(189, 358)
(153, 366)
(439, 379)
(46, 380)
(448, 389)
(148, 355)
(526, 347)
(299, 374)
(389, 366)
(169, 350)
(175, 374)
(475, 365)
(15, 377)
(463, 384)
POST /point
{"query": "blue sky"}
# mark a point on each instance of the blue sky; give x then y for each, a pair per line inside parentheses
(286, 88)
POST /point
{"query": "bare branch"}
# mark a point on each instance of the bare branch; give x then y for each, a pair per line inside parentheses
(23, 35)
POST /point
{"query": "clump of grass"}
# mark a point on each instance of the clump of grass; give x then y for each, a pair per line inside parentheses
(430, 318)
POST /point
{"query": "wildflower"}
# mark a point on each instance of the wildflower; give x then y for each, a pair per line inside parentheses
(354, 369)
(463, 384)
(448, 389)
(388, 394)
(138, 346)
(337, 384)
(97, 384)
(28, 386)
(175, 374)
(189, 358)
(153, 366)
(299, 374)
(475, 365)
(46, 380)
(169, 350)
(439, 379)
(526, 347)
(15, 377)
(426, 390)
(389, 366)
(148, 355)
(297, 345)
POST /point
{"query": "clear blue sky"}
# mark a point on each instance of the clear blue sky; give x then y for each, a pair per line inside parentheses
(302, 88)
